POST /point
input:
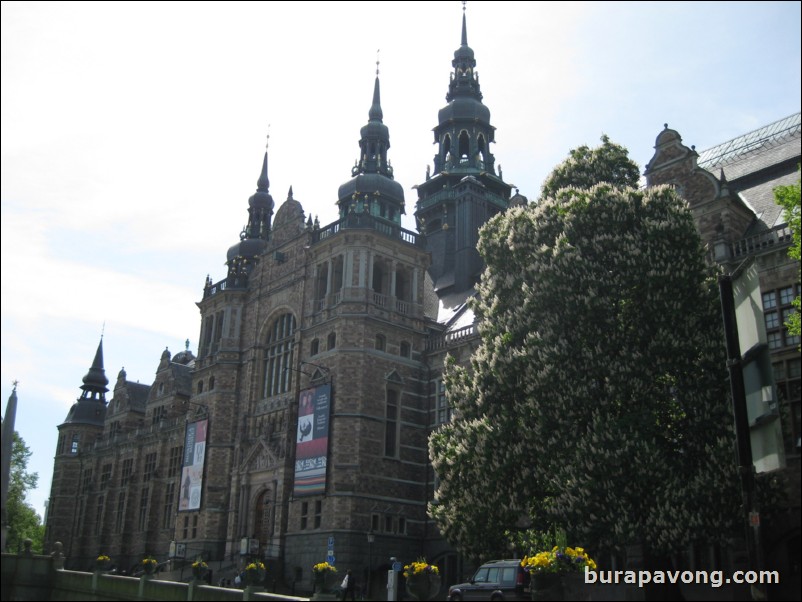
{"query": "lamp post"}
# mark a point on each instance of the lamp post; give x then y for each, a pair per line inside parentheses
(371, 539)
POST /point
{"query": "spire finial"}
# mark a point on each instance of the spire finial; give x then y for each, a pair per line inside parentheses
(464, 26)
(15, 383)
(267, 138)
(375, 112)
(186, 344)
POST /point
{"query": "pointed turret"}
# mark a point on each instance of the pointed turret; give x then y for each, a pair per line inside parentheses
(372, 188)
(95, 380)
(256, 233)
(90, 408)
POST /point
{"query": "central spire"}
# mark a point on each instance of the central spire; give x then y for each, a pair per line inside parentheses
(466, 189)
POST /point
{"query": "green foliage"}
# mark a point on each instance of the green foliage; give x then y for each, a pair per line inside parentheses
(23, 521)
(598, 399)
(788, 197)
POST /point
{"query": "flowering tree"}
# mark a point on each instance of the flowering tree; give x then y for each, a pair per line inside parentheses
(597, 399)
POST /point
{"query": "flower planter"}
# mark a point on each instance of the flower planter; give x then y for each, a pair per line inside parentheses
(423, 586)
(255, 574)
(546, 586)
(559, 586)
(199, 570)
(324, 578)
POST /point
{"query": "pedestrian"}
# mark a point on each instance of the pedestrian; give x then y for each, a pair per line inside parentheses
(349, 586)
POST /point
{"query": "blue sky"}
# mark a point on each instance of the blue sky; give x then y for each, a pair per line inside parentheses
(133, 134)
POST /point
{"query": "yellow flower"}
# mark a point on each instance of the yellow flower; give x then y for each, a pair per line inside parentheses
(558, 560)
(322, 567)
(420, 566)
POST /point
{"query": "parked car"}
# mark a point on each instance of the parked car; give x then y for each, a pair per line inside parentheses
(496, 580)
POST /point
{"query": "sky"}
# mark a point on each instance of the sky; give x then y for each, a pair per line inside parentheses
(133, 136)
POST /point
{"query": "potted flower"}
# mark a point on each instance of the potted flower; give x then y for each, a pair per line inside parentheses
(199, 569)
(149, 565)
(423, 579)
(551, 571)
(320, 572)
(254, 573)
(102, 563)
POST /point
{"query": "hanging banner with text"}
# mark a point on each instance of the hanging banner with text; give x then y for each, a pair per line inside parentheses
(192, 471)
(312, 440)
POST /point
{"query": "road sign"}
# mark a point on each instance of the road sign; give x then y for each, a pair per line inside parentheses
(331, 541)
(397, 566)
(330, 559)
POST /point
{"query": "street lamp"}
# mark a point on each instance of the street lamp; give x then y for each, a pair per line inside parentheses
(371, 539)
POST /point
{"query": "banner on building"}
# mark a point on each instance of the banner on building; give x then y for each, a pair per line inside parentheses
(312, 440)
(192, 471)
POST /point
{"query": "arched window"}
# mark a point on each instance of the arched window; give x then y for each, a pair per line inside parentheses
(314, 348)
(331, 341)
(211, 383)
(278, 356)
(200, 386)
(404, 349)
(381, 342)
(464, 145)
(446, 146)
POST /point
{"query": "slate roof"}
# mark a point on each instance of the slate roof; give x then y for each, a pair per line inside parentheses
(183, 377)
(137, 396)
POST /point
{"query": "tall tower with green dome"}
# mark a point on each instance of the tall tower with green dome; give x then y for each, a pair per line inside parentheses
(466, 188)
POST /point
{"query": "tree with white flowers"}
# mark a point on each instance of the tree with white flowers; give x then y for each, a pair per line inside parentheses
(598, 399)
